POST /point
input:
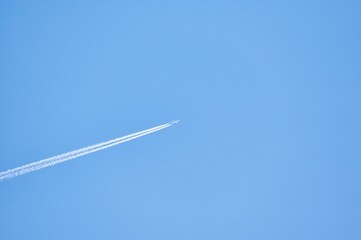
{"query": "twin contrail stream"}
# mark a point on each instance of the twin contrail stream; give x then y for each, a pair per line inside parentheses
(77, 153)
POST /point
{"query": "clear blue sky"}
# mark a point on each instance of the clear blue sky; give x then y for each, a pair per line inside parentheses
(268, 93)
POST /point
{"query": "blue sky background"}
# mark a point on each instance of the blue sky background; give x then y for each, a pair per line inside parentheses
(268, 93)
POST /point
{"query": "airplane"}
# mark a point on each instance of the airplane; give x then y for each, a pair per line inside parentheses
(176, 121)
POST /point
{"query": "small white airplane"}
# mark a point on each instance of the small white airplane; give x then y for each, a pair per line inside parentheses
(176, 121)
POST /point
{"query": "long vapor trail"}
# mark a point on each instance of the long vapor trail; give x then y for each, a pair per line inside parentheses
(77, 153)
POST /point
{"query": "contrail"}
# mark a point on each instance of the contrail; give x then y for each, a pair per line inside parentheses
(77, 153)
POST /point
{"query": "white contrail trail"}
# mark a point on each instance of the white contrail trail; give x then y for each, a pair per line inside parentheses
(77, 153)
(106, 143)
